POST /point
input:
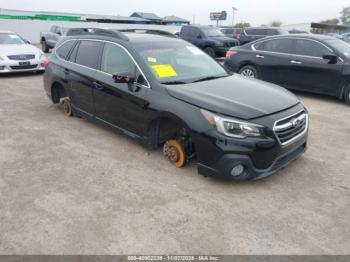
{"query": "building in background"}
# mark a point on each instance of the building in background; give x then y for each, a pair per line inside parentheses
(147, 16)
(174, 20)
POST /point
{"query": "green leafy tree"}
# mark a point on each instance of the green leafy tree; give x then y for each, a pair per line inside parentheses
(276, 23)
(345, 16)
(243, 25)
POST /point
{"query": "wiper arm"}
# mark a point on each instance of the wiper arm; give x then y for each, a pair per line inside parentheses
(174, 83)
(208, 78)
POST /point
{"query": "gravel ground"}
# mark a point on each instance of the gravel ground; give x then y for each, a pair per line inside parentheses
(68, 186)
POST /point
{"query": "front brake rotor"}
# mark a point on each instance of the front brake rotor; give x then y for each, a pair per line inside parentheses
(175, 153)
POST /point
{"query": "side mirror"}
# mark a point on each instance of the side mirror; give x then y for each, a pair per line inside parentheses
(331, 57)
(125, 78)
(59, 33)
(26, 41)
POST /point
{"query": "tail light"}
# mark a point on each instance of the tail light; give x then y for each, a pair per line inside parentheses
(230, 54)
(46, 63)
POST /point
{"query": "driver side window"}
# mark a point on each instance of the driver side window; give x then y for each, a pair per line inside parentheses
(116, 60)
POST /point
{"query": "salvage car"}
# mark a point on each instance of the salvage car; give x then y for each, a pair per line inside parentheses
(163, 91)
(312, 63)
(254, 33)
(18, 55)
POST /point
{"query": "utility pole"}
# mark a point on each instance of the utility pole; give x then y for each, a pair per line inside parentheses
(233, 16)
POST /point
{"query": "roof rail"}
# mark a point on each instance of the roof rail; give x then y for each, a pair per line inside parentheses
(96, 31)
(148, 31)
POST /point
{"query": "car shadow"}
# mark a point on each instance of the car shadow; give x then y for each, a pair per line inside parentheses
(21, 74)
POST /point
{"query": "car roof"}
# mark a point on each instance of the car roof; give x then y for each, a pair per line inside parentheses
(149, 37)
(263, 27)
(306, 36)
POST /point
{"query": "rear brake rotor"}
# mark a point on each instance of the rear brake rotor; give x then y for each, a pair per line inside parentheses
(67, 107)
(175, 153)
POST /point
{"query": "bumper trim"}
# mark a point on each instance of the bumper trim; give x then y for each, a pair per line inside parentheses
(223, 167)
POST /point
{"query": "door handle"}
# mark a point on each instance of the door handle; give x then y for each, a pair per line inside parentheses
(98, 86)
(295, 62)
(66, 71)
(260, 56)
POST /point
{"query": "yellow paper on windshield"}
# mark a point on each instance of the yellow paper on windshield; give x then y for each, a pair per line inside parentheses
(163, 71)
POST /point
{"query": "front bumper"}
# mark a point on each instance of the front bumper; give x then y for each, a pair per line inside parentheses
(12, 66)
(261, 157)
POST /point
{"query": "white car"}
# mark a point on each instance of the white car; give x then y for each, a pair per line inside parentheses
(17, 55)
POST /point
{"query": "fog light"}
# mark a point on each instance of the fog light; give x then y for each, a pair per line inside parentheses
(237, 170)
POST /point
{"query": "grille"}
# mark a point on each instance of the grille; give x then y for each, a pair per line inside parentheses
(21, 57)
(23, 67)
(291, 128)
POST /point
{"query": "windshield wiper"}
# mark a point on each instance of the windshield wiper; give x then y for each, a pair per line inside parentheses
(174, 83)
(209, 78)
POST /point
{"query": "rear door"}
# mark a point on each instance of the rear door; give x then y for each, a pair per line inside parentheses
(116, 103)
(273, 59)
(86, 57)
(308, 71)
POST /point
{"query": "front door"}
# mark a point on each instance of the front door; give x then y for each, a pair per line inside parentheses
(117, 103)
(309, 71)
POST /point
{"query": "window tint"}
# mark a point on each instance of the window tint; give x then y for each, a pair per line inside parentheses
(88, 53)
(185, 30)
(256, 32)
(310, 48)
(116, 60)
(63, 50)
(272, 32)
(53, 28)
(277, 45)
(195, 32)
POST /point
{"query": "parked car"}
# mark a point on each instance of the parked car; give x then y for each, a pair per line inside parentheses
(164, 91)
(254, 33)
(210, 39)
(231, 32)
(312, 63)
(296, 31)
(49, 39)
(18, 55)
(346, 37)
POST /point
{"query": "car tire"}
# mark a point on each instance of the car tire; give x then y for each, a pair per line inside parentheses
(249, 71)
(210, 51)
(347, 95)
(45, 47)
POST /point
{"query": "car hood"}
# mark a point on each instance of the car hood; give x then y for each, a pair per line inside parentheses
(235, 96)
(222, 39)
(23, 49)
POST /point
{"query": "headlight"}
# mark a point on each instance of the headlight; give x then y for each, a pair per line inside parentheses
(233, 127)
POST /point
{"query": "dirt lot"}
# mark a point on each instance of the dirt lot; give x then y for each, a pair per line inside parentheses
(68, 186)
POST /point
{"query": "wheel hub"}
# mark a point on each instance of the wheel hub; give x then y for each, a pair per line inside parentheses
(175, 153)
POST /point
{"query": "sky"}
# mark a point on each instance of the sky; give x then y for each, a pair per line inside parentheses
(256, 12)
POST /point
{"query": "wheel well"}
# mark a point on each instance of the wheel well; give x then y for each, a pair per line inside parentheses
(57, 92)
(163, 129)
(246, 64)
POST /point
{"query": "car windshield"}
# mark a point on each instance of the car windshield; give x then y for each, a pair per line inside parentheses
(340, 45)
(211, 32)
(178, 62)
(10, 39)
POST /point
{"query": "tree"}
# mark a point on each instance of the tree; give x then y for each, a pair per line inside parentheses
(345, 16)
(276, 23)
(242, 25)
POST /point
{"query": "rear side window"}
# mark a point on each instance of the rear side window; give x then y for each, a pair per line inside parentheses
(256, 31)
(63, 50)
(272, 32)
(277, 45)
(88, 53)
(310, 48)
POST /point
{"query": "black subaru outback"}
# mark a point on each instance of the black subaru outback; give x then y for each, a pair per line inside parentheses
(166, 92)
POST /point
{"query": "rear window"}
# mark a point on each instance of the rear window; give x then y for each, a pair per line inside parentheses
(88, 53)
(256, 31)
(63, 50)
